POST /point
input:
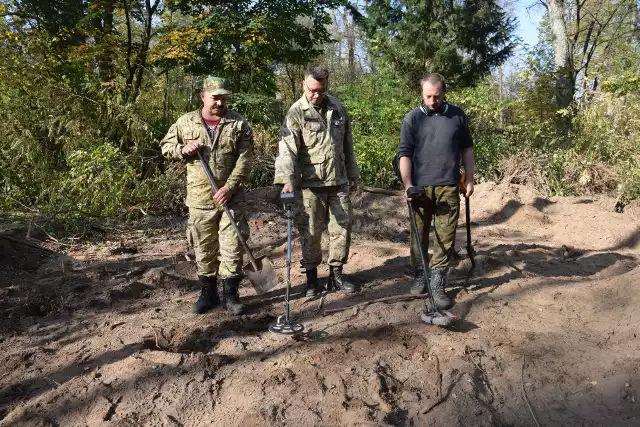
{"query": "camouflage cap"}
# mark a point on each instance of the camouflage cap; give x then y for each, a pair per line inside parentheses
(216, 86)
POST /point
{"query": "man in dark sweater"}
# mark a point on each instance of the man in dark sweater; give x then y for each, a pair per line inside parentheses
(433, 139)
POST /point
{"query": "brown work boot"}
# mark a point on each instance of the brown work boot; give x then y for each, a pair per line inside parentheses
(437, 284)
(230, 296)
(208, 298)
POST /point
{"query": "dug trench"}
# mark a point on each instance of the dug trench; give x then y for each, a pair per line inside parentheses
(101, 333)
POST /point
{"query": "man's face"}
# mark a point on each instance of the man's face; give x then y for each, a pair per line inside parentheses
(315, 90)
(214, 105)
(433, 95)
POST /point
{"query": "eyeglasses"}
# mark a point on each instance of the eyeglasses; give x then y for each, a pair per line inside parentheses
(322, 91)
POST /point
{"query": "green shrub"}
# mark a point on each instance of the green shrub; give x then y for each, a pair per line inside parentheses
(99, 180)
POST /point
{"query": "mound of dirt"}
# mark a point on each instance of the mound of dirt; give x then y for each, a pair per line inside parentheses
(547, 329)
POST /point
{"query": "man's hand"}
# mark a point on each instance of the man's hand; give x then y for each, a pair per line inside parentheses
(469, 187)
(223, 195)
(407, 186)
(287, 188)
(190, 149)
(353, 185)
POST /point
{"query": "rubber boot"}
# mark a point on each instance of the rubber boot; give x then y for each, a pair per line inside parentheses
(419, 285)
(312, 283)
(437, 283)
(338, 282)
(230, 296)
(208, 298)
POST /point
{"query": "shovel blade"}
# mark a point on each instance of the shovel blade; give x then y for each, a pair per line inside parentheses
(264, 278)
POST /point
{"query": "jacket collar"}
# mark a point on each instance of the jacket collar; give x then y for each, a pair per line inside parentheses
(305, 104)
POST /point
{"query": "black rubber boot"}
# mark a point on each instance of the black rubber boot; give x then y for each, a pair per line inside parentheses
(419, 285)
(338, 282)
(208, 298)
(437, 283)
(312, 283)
(230, 296)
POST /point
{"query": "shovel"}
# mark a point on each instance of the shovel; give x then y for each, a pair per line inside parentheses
(467, 214)
(259, 270)
(467, 217)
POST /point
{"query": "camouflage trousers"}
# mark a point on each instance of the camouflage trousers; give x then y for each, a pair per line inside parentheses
(445, 204)
(216, 244)
(322, 207)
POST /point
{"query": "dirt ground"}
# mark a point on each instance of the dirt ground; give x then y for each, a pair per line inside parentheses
(101, 333)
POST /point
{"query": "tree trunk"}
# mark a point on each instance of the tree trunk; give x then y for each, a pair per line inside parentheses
(135, 70)
(565, 83)
(351, 42)
(500, 96)
(165, 97)
(292, 81)
(103, 23)
(636, 33)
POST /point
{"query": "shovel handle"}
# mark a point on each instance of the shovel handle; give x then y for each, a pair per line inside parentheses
(467, 215)
(207, 171)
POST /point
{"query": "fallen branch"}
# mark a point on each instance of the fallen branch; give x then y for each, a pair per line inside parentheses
(385, 299)
(381, 191)
(56, 383)
(29, 244)
(524, 392)
(44, 231)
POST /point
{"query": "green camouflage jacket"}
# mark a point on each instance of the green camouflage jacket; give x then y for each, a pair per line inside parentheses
(229, 155)
(316, 151)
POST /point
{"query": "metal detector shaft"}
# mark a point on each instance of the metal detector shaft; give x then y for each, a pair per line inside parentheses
(286, 312)
(286, 327)
(207, 171)
(425, 269)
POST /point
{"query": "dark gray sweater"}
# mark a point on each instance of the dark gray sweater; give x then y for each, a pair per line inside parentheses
(434, 142)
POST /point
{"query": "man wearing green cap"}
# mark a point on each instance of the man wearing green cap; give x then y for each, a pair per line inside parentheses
(225, 141)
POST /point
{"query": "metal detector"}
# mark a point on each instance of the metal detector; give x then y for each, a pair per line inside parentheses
(283, 325)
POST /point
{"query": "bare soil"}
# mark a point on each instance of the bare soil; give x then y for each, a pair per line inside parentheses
(101, 333)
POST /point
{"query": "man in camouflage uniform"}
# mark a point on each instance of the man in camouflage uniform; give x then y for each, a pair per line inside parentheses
(433, 139)
(316, 156)
(225, 141)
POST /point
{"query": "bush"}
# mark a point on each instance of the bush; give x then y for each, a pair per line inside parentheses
(258, 109)
(165, 191)
(377, 104)
(99, 180)
(265, 146)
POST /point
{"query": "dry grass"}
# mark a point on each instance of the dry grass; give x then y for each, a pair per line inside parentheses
(524, 169)
(590, 178)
